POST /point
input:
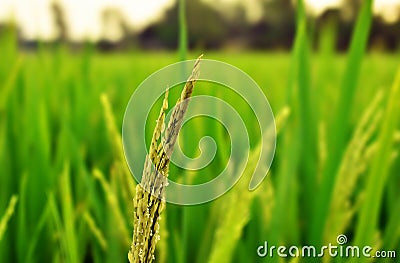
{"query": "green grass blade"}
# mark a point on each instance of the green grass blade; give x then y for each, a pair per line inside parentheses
(7, 215)
(341, 124)
(307, 126)
(354, 163)
(291, 141)
(183, 42)
(391, 235)
(23, 243)
(68, 217)
(58, 231)
(368, 217)
(37, 234)
(10, 83)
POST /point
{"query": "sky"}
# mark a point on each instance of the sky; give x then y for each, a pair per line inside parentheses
(84, 16)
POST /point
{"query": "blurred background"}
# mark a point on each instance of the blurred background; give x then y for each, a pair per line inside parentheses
(328, 69)
(222, 24)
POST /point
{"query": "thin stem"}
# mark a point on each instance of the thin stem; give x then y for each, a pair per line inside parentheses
(182, 30)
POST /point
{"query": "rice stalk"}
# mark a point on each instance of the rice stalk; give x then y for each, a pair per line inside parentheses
(378, 173)
(149, 199)
(112, 200)
(114, 134)
(121, 183)
(340, 126)
(57, 226)
(119, 168)
(236, 204)
(354, 163)
(7, 215)
(236, 207)
(95, 230)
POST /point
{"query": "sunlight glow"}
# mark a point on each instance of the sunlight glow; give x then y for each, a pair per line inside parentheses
(316, 7)
(84, 18)
(389, 10)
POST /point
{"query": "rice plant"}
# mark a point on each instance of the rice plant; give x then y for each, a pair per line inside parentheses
(335, 170)
(150, 193)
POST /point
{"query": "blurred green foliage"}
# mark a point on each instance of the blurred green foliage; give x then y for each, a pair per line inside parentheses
(335, 169)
